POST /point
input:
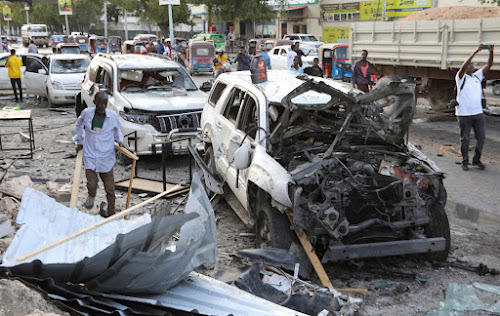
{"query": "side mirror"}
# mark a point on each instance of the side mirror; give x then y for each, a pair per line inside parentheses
(42, 71)
(242, 156)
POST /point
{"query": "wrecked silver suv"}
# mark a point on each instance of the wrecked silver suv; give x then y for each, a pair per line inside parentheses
(335, 157)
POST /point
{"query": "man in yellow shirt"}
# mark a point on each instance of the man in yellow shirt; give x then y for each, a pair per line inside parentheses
(218, 63)
(14, 64)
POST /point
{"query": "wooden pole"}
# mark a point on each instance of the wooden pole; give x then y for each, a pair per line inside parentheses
(94, 226)
(132, 173)
(318, 267)
(76, 179)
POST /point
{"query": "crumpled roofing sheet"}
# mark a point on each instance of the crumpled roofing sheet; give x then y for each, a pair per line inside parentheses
(43, 221)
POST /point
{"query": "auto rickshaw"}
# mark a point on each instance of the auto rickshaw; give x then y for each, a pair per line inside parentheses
(333, 59)
(200, 55)
(56, 39)
(255, 45)
(133, 47)
(81, 40)
(114, 44)
(67, 48)
(98, 44)
(270, 43)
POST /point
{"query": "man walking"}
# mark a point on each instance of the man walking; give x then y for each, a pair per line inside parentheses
(243, 60)
(14, 64)
(160, 48)
(470, 109)
(265, 55)
(290, 56)
(102, 129)
(362, 73)
(32, 48)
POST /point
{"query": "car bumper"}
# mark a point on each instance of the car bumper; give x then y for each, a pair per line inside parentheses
(149, 141)
(63, 96)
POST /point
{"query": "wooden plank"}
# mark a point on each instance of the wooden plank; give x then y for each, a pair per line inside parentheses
(76, 179)
(318, 267)
(132, 172)
(15, 115)
(146, 185)
(126, 152)
(94, 226)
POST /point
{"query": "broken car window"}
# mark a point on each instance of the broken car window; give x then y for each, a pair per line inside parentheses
(234, 104)
(144, 80)
(249, 121)
(60, 66)
(216, 93)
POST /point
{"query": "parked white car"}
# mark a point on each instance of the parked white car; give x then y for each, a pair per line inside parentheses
(60, 82)
(155, 98)
(304, 39)
(335, 159)
(4, 72)
(278, 57)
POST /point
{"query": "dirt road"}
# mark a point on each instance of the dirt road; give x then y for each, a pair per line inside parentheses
(413, 287)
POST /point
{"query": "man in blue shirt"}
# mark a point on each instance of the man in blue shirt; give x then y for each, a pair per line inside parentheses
(266, 57)
(102, 129)
(243, 60)
(160, 49)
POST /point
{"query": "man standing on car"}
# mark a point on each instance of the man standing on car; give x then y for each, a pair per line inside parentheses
(243, 60)
(470, 108)
(362, 73)
(14, 64)
(102, 129)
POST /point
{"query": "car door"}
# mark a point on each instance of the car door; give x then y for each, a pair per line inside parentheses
(225, 125)
(245, 132)
(103, 79)
(4, 74)
(35, 82)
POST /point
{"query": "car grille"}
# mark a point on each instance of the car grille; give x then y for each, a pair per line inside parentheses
(167, 122)
(71, 86)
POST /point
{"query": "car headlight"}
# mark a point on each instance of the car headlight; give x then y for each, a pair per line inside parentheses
(56, 85)
(135, 118)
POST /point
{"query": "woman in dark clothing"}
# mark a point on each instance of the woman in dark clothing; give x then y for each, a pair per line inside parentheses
(361, 75)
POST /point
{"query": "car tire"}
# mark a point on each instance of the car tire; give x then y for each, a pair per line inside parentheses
(122, 159)
(496, 89)
(272, 229)
(49, 102)
(439, 226)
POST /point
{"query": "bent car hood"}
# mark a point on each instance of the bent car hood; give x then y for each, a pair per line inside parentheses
(161, 101)
(75, 78)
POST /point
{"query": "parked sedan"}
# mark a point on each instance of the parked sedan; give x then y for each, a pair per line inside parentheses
(61, 81)
(4, 76)
(278, 57)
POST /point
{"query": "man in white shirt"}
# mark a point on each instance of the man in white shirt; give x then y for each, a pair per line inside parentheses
(102, 129)
(32, 48)
(290, 56)
(470, 109)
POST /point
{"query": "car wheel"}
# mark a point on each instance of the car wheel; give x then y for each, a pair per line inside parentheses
(49, 102)
(439, 226)
(496, 89)
(272, 229)
(122, 159)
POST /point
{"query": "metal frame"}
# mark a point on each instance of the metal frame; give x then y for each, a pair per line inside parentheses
(31, 132)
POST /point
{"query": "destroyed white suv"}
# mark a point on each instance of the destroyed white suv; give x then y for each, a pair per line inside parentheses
(156, 100)
(336, 159)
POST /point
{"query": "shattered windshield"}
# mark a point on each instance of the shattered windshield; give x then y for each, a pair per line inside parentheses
(141, 80)
(61, 66)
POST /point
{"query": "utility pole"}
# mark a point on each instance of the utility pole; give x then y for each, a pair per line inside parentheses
(126, 25)
(171, 25)
(27, 14)
(105, 19)
(67, 24)
(384, 17)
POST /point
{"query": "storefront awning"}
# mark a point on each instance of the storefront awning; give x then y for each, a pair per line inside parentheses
(296, 8)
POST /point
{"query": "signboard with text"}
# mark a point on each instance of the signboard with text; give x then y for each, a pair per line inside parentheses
(372, 10)
(7, 14)
(65, 7)
(335, 34)
(165, 2)
(330, 10)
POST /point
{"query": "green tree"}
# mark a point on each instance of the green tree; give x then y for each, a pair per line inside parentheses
(153, 12)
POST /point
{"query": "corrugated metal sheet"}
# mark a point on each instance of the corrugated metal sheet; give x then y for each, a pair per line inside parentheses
(44, 221)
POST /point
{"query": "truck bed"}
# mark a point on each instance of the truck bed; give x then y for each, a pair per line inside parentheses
(442, 45)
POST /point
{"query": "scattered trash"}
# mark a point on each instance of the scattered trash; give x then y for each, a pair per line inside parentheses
(57, 151)
(379, 284)
(482, 269)
(142, 195)
(8, 108)
(24, 137)
(463, 298)
(5, 226)
(495, 111)
(60, 141)
(401, 288)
